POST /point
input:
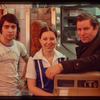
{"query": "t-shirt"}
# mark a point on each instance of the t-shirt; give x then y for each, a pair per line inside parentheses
(9, 58)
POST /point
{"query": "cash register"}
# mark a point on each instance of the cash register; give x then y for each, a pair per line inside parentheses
(81, 84)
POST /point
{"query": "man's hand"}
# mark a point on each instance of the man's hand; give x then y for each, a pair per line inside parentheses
(53, 70)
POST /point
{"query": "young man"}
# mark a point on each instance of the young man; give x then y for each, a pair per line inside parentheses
(10, 52)
(88, 52)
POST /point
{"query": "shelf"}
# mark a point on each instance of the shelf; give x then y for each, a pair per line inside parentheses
(69, 17)
(71, 26)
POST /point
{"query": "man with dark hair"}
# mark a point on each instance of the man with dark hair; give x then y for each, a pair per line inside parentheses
(10, 52)
(88, 50)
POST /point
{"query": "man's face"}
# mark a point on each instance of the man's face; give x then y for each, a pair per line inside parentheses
(9, 30)
(85, 31)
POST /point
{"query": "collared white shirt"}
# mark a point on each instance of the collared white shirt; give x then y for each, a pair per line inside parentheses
(31, 73)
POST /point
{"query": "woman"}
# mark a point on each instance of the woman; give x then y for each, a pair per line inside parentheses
(38, 83)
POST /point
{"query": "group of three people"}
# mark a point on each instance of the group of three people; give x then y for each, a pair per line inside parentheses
(47, 62)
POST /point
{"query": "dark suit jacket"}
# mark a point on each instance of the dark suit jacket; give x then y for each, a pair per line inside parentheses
(88, 58)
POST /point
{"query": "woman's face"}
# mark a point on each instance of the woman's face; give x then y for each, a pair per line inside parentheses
(48, 41)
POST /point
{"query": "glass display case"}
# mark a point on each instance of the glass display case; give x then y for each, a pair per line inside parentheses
(68, 14)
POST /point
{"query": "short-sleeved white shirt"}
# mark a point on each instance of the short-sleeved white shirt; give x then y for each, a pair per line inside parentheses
(9, 58)
(31, 72)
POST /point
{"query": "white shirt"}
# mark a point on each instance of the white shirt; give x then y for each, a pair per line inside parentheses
(9, 58)
(31, 73)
